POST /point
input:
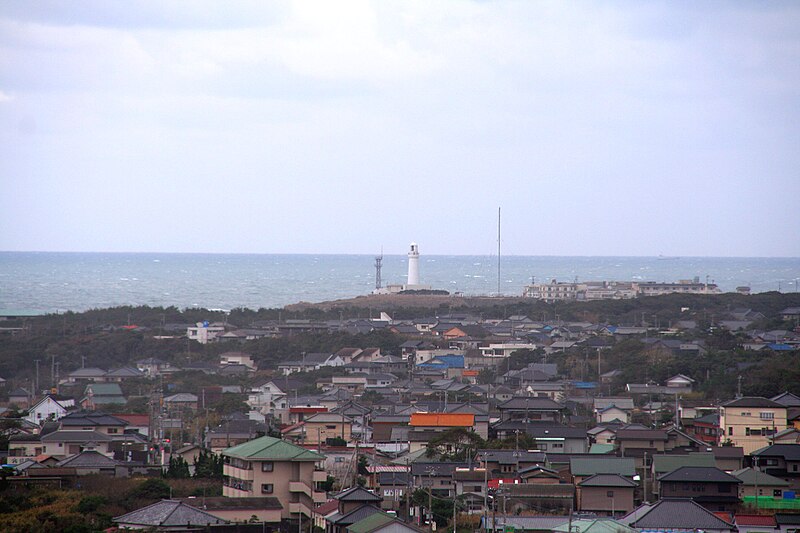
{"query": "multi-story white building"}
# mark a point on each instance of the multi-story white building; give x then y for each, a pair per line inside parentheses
(556, 291)
(204, 332)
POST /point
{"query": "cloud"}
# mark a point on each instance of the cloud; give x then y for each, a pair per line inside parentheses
(5, 97)
(597, 120)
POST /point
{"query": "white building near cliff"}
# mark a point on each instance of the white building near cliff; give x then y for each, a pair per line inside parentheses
(412, 280)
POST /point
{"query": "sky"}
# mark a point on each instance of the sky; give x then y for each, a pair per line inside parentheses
(599, 128)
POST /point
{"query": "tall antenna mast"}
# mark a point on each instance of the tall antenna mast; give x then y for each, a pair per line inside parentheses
(498, 251)
(378, 264)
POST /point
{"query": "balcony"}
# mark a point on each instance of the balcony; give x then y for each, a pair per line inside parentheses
(239, 473)
(319, 476)
(300, 486)
(295, 508)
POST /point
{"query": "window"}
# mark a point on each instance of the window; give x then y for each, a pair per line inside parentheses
(610, 494)
(651, 443)
(330, 427)
(776, 493)
(266, 488)
(766, 416)
(723, 487)
(267, 466)
(730, 430)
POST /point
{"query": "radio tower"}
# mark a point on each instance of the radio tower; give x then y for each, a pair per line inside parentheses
(378, 264)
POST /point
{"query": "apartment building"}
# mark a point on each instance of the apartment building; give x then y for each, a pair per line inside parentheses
(749, 422)
(270, 467)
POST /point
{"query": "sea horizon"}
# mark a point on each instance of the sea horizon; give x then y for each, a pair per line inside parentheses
(76, 281)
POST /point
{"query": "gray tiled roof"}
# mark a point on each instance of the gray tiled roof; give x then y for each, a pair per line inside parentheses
(791, 452)
(91, 419)
(678, 514)
(168, 513)
(65, 435)
(511, 457)
(354, 516)
(699, 474)
(531, 403)
(88, 459)
(357, 494)
(752, 401)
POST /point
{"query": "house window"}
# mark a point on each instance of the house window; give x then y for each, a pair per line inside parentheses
(111, 431)
(266, 488)
(767, 416)
(330, 427)
(723, 487)
(610, 494)
(776, 493)
(267, 466)
(730, 430)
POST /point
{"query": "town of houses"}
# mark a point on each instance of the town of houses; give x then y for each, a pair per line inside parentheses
(383, 442)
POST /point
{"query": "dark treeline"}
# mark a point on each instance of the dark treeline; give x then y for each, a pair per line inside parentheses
(99, 337)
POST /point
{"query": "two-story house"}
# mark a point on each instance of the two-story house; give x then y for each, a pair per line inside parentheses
(708, 486)
(48, 408)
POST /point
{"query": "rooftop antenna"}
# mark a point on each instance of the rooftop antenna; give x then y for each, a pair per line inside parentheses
(498, 251)
(378, 265)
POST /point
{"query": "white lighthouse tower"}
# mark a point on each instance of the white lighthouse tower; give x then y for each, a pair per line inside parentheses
(413, 265)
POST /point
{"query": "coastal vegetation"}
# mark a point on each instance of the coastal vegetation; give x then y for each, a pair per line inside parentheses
(118, 337)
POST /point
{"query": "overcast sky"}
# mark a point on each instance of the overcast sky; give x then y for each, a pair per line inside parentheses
(608, 128)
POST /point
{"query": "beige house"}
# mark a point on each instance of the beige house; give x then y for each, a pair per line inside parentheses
(606, 494)
(320, 428)
(270, 467)
(750, 422)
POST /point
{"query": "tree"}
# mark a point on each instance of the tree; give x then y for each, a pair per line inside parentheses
(151, 489)
(454, 444)
(178, 468)
(208, 465)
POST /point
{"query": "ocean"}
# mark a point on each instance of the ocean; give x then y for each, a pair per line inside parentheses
(50, 282)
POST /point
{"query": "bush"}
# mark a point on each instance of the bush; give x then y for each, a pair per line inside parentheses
(90, 504)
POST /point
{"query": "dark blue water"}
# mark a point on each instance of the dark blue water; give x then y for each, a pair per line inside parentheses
(47, 281)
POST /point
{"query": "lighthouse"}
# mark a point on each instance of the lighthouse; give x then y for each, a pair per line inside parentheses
(413, 265)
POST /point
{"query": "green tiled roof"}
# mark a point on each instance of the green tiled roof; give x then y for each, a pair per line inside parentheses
(587, 466)
(601, 448)
(663, 464)
(105, 389)
(369, 523)
(272, 449)
(596, 526)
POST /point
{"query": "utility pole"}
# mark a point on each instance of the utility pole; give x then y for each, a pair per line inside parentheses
(644, 478)
(37, 374)
(485, 492)
(455, 500)
(498, 251)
